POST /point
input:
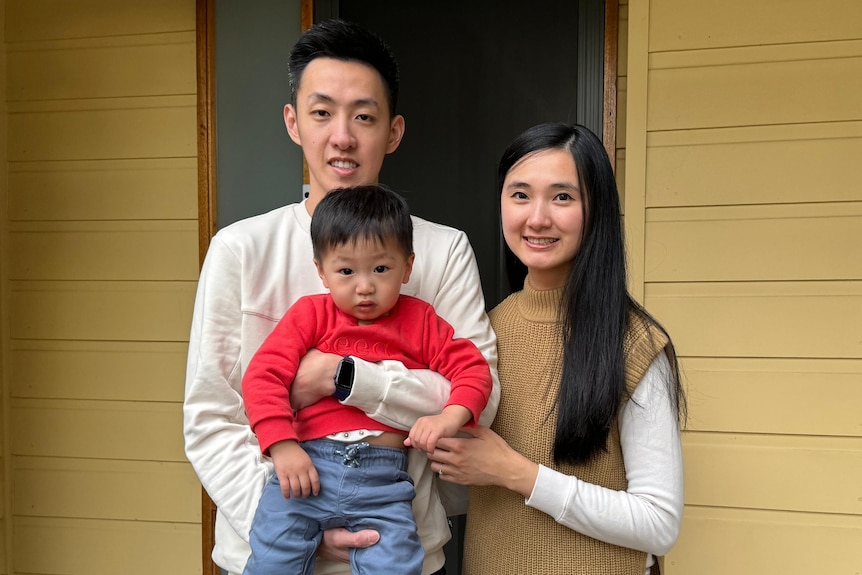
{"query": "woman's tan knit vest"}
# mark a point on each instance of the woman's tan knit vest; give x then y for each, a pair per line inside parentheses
(504, 536)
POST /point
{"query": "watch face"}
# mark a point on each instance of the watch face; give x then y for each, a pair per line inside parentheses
(344, 374)
(343, 379)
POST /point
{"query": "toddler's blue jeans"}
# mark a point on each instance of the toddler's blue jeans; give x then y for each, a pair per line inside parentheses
(361, 487)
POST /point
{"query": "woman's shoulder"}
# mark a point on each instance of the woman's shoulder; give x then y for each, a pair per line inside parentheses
(644, 340)
(642, 328)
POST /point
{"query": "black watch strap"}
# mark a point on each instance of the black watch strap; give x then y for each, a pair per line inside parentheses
(344, 379)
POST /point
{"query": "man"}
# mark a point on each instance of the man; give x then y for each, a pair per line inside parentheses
(344, 87)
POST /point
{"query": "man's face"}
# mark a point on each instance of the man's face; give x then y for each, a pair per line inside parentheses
(342, 121)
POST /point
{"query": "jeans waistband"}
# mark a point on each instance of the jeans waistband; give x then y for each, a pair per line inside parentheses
(359, 454)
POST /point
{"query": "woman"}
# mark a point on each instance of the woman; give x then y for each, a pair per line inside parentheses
(582, 470)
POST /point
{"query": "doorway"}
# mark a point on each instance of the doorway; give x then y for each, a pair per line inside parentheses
(473, 76)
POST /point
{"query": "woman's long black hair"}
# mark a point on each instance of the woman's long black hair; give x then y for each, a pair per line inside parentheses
(596, 303)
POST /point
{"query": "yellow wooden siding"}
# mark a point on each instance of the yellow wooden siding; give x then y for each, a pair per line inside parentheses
(759, 542)
(127, 250)
(747, 165)
(96, 429)
(633, 194)
(756, 86)
(743, 471)
(622, 96)
(755, 243)
(102, 264)
(761, 319)
(134, 189)
(67, 545)
(85, 488)
(744, 129)
(101, 67)
(45, 20)
(124, 311)
(728, 394)
(704, 24)
(92, 130)
(622, 73)
(39, 369)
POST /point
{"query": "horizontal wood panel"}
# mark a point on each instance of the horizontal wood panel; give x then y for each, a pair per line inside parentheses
(769, 319)
(693, 24)
(97, 429)
(100, 104)
(107, 370)
(744, 542)
(28, 20)
(144, 132)
(782, 473)
(125, 311)
(756, 54)
(753, 94)
(141, 250)
(774, 396)
(772, 164)
(164, 188)
(764, 243)
(94, 489)
(155, 65)
(69, 546)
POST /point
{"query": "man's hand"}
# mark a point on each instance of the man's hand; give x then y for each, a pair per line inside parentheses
(315, 378)
(337, 543)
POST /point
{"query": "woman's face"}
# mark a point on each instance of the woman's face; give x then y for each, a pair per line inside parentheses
(543, 215)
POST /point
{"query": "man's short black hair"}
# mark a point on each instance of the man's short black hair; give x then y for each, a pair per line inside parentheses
(348, 41)
(372, 212)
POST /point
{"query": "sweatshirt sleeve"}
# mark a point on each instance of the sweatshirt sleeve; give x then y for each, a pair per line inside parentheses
(270, 373)
(460, 361)
(218, 441)
(648, 514)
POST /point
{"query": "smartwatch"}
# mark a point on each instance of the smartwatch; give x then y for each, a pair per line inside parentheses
(343, 379)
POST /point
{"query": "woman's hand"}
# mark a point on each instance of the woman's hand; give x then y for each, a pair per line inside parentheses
(483, 459)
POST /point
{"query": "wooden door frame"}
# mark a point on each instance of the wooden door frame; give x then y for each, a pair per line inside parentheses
(205, 47)
(206, 144)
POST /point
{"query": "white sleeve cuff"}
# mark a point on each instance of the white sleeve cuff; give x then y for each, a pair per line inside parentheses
(368, 388)
(550, 490)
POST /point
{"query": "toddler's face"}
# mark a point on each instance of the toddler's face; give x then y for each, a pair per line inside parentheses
(365, 277)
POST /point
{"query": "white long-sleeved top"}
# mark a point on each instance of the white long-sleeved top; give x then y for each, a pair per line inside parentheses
(647, 515)
(254, 271)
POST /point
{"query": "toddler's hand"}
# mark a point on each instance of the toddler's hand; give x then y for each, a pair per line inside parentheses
(427, 430)
(296, 473)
